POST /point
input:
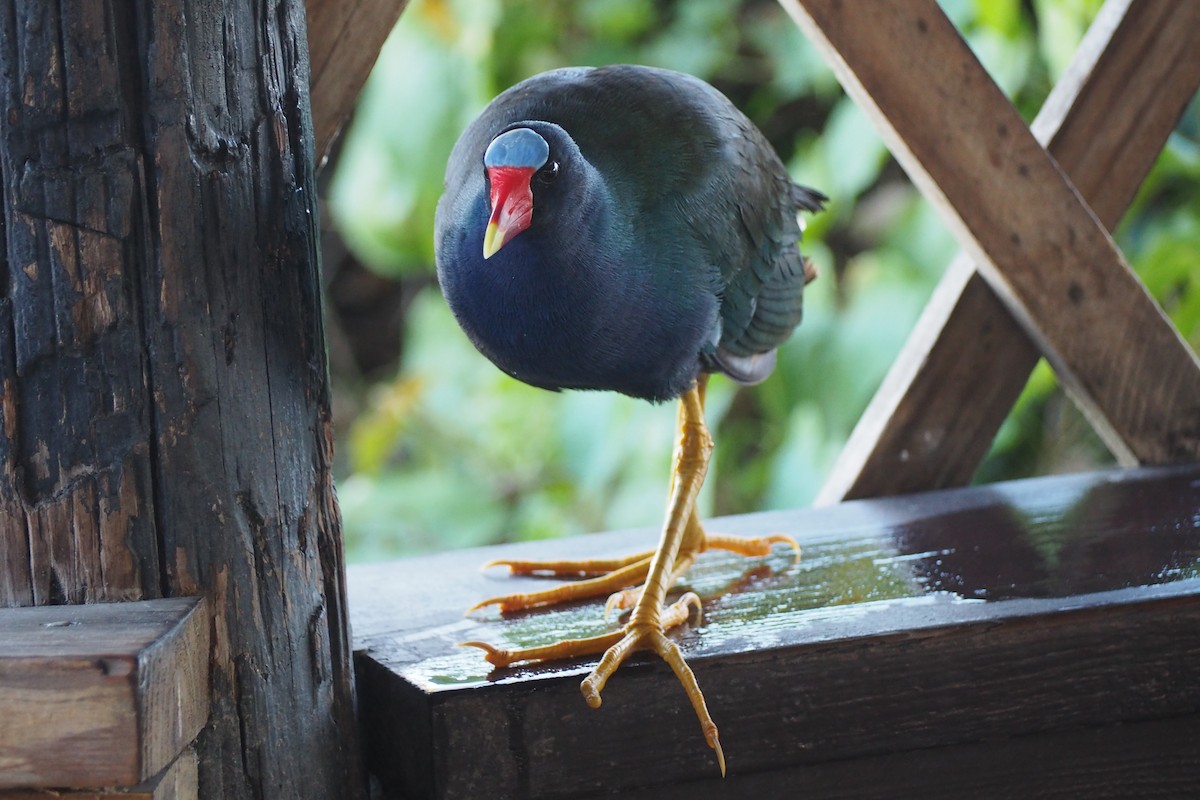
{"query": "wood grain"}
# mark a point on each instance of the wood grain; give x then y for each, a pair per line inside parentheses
(76, 503)
(914, 631)
(165, 426)
(100, 695)
(344, 40)
(1143, 759)
(932, 420)
(179, 781)
(1038, 245)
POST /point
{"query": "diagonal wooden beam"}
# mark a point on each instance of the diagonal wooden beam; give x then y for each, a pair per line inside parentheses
(1037, 243)
(344, 40)
(931, 422)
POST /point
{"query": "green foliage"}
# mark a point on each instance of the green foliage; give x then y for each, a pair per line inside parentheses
(430, 80)
(453, 453)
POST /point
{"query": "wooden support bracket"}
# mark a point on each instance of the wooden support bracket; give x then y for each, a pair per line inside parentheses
(1040, 248)
(930, 424)
(102, 695)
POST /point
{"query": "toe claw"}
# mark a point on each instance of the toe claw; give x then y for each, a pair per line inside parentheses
(715, 744)
(619, 601)
(496, 656)
(491, 601)
(783, 538)
(590, 695)
(613, 600)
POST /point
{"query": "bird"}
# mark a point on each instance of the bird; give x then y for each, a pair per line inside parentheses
(625, 228)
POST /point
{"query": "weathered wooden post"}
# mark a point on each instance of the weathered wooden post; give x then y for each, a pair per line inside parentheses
(164, 424)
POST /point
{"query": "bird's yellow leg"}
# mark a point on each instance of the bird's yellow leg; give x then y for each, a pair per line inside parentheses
(695, 541)
(621, 578)
(644, 631)
(683, 538)
(628, 598)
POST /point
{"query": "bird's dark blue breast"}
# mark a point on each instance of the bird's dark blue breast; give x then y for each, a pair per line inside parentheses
(586, 317)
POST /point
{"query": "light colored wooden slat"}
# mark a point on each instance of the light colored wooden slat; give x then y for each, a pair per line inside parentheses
(344, 40)
(179, 781)
(932, 420)
(100, 695)
(1038, 245)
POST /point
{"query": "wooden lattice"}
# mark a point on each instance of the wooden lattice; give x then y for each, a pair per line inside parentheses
(1039, 274)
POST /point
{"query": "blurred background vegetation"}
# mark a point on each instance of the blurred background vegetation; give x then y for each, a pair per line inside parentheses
(438, 449)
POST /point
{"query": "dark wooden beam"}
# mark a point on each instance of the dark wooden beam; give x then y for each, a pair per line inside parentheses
(934, 417)
(1060, 765)
(913, 632)
(1039, 246)
(165, 426)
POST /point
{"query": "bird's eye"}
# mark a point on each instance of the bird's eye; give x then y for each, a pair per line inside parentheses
(548, 173)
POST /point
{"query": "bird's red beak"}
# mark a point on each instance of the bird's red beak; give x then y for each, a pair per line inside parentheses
(512, 206)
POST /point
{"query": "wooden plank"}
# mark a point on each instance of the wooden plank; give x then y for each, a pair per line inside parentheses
(1144, 759)
(100, 695)
(179, 781)
(946, 620)
(344, 40)
(930, 424)
(1039, 247)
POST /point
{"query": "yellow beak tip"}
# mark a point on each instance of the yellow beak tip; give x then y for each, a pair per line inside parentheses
(492, 240)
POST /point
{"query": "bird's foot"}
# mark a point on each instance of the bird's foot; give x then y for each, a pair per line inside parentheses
(620, 579)
(638, 634)
(607, 576)
(648, 634)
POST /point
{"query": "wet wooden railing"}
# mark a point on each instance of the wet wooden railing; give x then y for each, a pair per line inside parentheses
(1035, 638)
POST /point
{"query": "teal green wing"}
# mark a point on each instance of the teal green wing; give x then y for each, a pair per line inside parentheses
(763, 291)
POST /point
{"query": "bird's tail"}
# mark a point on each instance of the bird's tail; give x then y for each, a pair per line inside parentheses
(807, 199)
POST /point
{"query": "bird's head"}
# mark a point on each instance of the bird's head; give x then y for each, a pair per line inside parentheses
(516, 161)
